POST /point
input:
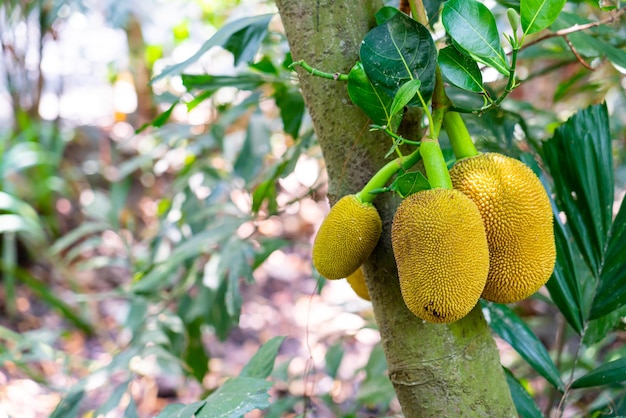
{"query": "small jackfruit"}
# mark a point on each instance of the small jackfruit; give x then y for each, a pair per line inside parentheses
(346, 237)
(517, 215)
(357, 282)
(440, 247)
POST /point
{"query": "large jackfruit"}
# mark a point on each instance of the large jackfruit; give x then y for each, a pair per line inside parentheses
(357, 282)
(440, 248)
(517, 215)
(346, 238)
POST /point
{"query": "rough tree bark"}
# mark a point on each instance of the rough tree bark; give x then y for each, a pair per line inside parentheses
(437, 370)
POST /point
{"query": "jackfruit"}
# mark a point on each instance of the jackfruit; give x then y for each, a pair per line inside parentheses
(517, 215)
(440, 247)
(357, 282)
(346, 237)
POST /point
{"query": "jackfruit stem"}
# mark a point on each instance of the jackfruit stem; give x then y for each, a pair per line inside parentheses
(435, 164)
(460, 138)
(382, 176)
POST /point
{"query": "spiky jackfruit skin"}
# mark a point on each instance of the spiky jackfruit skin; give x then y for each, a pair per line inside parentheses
(440, 247)
(357, 282)
(517, 215)
(346, 237)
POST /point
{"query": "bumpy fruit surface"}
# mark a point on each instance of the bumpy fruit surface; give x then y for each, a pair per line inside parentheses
(346, 238)
(440, 248)
(357, 282)
(518, 220)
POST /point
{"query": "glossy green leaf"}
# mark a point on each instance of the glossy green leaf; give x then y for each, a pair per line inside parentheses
(611, 291)
(609, 373)
(564, 284)
(262, 363)
(404, 95)
(432, 10)
(291, 106)
(473, 28)
(236, 397)
(409, 183)
(537, 15)
(579, 159)
(245, 43)
(460, 70)
(385, 13)
(237, 29)
(69, 405)
(398, 51)
(178, 410)
(524, 403)
(514, 331)
(375, 102)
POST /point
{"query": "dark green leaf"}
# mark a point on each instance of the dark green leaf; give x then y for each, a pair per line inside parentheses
(291, 105)
(195, 355)
(611, 292)
(245, 43)
(373, 101)
(404, 95)
(178, 410)
(265, 65)
(262, 363)
(221, 38)
(580, 161)
(256, 146)
(524, 403)
(460, 70)
(159, 120)
(473, 28)
(214, 82)
(539, 14)
(398, 51)
(409, 183)
(333, 358)
(68, 407)
(514, 331)
(236, 259)
(609, 373)
(432, 10)
(236, 397)
(385, 13)
(564, 285)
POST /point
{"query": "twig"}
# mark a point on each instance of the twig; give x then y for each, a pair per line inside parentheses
(575, 52)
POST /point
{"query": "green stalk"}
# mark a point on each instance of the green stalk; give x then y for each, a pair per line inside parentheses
(462, 144)
(318, 73)
(382, 176)
(435, 164)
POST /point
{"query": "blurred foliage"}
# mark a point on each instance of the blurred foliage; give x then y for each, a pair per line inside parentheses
(174, 211)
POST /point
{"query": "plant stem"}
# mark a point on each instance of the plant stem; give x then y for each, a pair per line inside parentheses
(382, 176)
(435, 164)
(460, 139)
(419, 11)
(318, 73)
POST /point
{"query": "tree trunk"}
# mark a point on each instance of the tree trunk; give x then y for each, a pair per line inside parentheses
(437, 370)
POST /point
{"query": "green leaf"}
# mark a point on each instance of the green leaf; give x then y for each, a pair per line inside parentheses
(113, 401)
(333, 358)
(580, 161)
(398, 51)
(250, 25)
(131, 409)
(404, 95)
(245, 43)
(373, 101)
(514, 331)
(68, 407)
(160, 120)
(473, 28)
(607, 374)
(177, 410)
(409, 183)
(385, 13)
(256, 146)
(236, 397)
(460, 70)
(611, 291)
(195, 355)
(524, 403)
(291, 105)
(262, 363)
(213, 82)
(539, 14)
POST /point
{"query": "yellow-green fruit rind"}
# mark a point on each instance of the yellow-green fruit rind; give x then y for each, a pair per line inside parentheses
(357, 282)
(440, 248)
(517, 215)
(346, 238)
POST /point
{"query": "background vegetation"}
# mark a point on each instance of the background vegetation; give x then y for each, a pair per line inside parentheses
(160, 182)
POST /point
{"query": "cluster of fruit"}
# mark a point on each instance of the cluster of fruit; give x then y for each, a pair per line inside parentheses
(491, 236)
